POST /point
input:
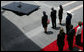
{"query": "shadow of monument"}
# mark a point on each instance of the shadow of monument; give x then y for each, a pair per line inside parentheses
(13, 39)
(2, 12)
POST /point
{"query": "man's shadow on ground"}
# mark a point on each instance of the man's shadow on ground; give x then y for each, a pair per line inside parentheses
(63, 24)
(57, 28)
(49, 32)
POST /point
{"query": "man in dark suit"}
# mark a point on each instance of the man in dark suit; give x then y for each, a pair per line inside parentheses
(70, 37)
(53, 17)
(60, 39)
(68, 21)
(60, 14)
(44, 21)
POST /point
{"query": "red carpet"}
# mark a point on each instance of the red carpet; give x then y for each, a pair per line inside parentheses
(53, 46)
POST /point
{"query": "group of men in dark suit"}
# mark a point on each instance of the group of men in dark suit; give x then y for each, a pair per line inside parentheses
(53, 16)
(69, 27)
(69, 31)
